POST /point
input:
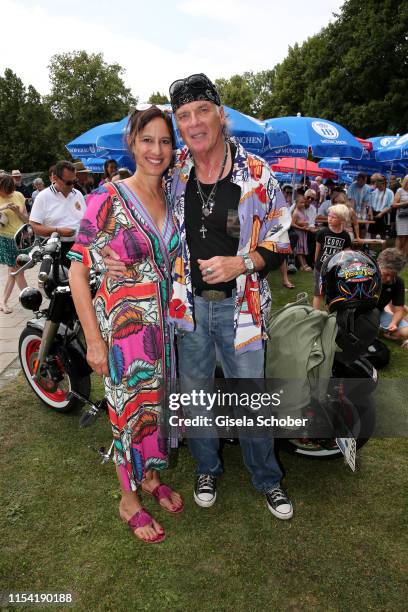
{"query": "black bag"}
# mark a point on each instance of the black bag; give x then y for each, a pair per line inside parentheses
(403, 212)
(356, 332)
(378, 354)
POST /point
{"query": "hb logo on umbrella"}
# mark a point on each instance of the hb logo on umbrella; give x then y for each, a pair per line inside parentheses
(326, 130)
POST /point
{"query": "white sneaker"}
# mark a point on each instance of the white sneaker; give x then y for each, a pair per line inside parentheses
(205, 492)
(279, 503)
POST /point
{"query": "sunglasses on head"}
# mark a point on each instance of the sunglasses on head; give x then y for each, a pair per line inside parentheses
(143, 107)
(195, 81)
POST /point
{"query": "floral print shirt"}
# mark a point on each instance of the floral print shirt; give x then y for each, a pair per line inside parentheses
(264, 221)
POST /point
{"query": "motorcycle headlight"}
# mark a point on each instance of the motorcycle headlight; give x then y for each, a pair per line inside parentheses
(30, 298)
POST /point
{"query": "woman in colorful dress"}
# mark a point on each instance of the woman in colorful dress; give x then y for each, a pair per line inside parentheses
(129, 340)
(13, 215)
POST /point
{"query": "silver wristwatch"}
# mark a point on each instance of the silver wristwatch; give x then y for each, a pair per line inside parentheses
(249, 264)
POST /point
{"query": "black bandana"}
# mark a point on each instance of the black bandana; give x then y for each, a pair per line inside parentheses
(193, 88)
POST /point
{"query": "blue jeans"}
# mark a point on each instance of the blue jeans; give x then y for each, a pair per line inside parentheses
(197, 350)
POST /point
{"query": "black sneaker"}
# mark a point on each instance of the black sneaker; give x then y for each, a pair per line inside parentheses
(279, 503)
(205, 492)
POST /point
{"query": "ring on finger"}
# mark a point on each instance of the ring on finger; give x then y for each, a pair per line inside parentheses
(209, 271)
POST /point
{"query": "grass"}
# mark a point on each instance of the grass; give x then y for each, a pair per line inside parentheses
(344, 549)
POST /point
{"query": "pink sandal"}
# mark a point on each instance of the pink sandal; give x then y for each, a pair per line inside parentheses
(142, 519)
(163, 491)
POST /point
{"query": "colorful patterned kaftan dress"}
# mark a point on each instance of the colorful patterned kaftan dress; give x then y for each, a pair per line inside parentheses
(132, 313)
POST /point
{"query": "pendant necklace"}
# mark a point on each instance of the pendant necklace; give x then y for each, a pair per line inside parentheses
(208, 202)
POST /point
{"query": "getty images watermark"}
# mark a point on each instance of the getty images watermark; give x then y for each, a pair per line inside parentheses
(221, 400)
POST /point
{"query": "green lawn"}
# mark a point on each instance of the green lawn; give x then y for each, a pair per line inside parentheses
(345, 547)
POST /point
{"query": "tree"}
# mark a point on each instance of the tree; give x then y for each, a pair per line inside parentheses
(371, 44)
(236, 92)
(262, 86)
(29, 138)
(158, 98)
(353, 71)
(86, 91)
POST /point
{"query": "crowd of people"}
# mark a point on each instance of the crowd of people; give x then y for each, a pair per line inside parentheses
(374, 211)
(191, 253)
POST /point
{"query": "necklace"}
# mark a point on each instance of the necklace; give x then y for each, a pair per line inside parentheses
(208, 202)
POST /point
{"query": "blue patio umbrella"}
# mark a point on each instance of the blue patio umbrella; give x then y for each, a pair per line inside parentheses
(254, 135)
(96, 164)
(85, 145)
(379, 142)
(397, 150)
(321, 137)
(369, 166)
(113, 139)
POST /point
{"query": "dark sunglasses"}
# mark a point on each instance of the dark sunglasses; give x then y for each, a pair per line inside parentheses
(195, 81)
(67, 183)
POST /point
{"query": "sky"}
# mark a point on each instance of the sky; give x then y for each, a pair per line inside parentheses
(158, 41)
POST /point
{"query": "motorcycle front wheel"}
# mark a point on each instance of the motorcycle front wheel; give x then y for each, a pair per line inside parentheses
(57, 378)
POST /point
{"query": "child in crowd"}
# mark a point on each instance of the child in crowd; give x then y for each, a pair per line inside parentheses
(300, 223)
(330, 240)
(351, 226)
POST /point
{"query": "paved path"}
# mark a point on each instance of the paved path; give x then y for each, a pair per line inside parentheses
(11, 326)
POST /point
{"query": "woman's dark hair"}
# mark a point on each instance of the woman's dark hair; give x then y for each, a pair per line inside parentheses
(124, 173)
(139, 119)
(7, 185)
(105, 167)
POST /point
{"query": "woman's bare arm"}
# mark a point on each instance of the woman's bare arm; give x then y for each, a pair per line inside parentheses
(97, 351)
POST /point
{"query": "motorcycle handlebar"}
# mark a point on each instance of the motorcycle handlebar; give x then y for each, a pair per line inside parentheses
(45, 268)
(34, 258)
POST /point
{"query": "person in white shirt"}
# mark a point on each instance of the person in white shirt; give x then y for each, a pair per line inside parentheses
(381, 200)
(322, 191)
(310, 212)
(59, 208)
(39, 186)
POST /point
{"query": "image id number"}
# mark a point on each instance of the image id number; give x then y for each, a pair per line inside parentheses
(17, 598)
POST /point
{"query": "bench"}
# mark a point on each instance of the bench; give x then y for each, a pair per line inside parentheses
(365, 244)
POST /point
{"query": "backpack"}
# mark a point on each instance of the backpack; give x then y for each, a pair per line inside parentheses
(300, 353)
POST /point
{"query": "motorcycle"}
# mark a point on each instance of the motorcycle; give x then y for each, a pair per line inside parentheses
(354, 404)
(355, 378)
(52, 349)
